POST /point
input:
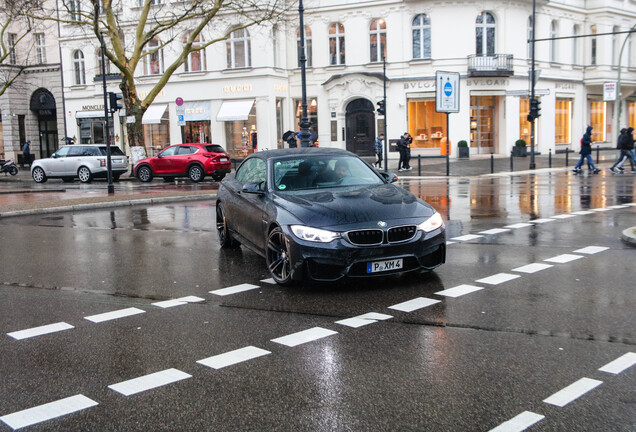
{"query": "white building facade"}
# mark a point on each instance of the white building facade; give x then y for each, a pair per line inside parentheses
(244, 93)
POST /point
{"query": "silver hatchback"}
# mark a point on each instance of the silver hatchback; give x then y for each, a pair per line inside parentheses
(85, 161)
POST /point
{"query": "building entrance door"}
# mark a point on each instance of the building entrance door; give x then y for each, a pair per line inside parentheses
(360, 122)
(482, 123)
(43, 105)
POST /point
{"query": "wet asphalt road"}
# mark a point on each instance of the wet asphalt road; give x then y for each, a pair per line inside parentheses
(465, 363)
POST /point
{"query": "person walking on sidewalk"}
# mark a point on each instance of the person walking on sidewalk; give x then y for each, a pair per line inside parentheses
(404, 149)
(586, 152)
(626, 146)
(26, 153)
(377, 147)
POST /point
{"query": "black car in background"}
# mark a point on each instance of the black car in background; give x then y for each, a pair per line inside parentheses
(324, 214)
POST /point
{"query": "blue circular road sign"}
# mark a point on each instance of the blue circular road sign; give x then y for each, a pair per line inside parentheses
(448, 89)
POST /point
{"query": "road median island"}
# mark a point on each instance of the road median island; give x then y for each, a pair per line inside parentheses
(629, 236)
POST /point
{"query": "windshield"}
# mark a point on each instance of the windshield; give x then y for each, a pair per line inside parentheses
(319, 172)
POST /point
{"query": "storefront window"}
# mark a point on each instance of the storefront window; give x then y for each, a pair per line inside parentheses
(427, 126)
(279, 123)
(524, 124)
(241, 136)
(597, 120)
(312, 115)
(196, 132)
(563, 121)
(157, 136)
(631, 113)
(92, 130)
(482, 123)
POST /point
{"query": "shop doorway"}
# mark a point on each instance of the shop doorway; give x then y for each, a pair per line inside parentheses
(43, 105)
(483, 114)
(360, 123)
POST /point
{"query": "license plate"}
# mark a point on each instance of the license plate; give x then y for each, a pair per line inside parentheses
(382, 266)
(223, 160)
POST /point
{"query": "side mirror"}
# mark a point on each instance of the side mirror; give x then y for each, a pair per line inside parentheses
(389, 176)
(254, 188)
(159, 155)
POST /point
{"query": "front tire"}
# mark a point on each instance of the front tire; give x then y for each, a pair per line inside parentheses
(225, 237)
(277, 257)
(84, 174)
(13, 170)
(38, 175)
(144, 174)
(196, 173)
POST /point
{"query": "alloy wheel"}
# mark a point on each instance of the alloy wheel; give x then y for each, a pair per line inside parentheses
(277, 257)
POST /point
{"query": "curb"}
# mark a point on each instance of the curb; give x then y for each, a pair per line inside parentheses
(629, 236)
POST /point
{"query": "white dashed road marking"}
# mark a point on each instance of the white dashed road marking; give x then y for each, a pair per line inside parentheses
(48, 411)
(532, 268)
(542, 221)
(498, 278)
(415, 304)
(39, 331)
(519, 225)
(519, 423)
(562, 259)
(234, 289)
(563, 216)
(122, 313)
(304, 336)
(582, 212)
(362, 320)
(270, 281)
(620, 364)
(591, 250)
(600, 209)
(467, 237)
(233, 357)
(178, 302)
(495, 231)
(459, 291)
(572, 392)
(148, 382)
(622, 206)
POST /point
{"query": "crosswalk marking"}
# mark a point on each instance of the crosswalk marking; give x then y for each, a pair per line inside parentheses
(498, 278)
(178, 302)
(467, 237)
(542, 221)
(563, 216)
(459, 290)
(47, 411)
(564, 258)
(39, 331)
(234, 289)
(591, 250)
(122, 313)
(572, 392)
(233, 357)
(519, 225)
(494, 231)
(414, 304)
(620, 364)
(532, 268)
(582, 212)
(304, 336)
(519, 423)
(362, 320)
(148, 382)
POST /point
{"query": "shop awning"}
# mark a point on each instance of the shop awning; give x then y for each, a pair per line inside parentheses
(235, 110)
(89, 114)
(153, 114)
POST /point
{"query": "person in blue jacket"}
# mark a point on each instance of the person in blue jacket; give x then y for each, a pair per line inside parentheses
(586, 152)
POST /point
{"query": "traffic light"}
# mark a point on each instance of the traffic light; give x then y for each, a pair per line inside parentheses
(535, 108)
(113, 105)
(381, 109)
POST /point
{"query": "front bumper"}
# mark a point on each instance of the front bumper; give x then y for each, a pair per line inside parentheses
(339, 258)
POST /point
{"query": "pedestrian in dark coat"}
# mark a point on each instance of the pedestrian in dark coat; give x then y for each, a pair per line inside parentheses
(626, 145)
(26, 152)
(404, 147)
(586, 152)
(377, 147)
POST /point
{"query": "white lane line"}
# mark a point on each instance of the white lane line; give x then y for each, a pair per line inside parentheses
(459, 290)
(48, 411)
(563, 216)
(178, 302)
(121, 313)
(233, 357)
(304, 336)
(495, 231)
(39, 331)
(497, 279)
(532, 268)
(620, 206)
(542, 221)
(562, 259)
(270, 281)
(450, 243)
(582, 212)
(234, 289)
(519, 225)
(591, 250)
(599, 209)
(620, 364)
(362, 320)
(519, 423)
(415, 304)
(631, 204)
(572, 392)
(148, 382)
(467, 237)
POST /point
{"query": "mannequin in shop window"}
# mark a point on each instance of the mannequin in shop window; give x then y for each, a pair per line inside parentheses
(244, 139)
(254, 138)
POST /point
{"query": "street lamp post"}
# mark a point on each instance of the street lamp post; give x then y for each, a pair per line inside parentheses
(532, 82)
(109, 166)
(304, 123)
(618, 81)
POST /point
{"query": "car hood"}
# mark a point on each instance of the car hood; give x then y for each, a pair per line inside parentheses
(353, 205)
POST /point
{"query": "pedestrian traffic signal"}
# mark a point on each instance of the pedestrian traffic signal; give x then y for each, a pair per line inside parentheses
(381, 109)
(113, 105)
(535, 108)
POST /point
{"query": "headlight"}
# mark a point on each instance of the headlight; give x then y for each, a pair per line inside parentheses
(314, 234)
(432, 223)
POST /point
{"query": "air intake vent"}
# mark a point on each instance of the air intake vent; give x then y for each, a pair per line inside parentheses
(365, 237)
(403, 233)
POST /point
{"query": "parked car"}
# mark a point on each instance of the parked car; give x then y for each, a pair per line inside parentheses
(185, 160)
(325, 214)
(83, 161)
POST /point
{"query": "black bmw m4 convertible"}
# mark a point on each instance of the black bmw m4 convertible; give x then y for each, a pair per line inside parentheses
(325, 214)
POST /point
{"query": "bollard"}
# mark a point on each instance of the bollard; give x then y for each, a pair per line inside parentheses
(511, 162)
(419, 165)
(550, 158)
(492, 163)
(598, 148)
(567, 154)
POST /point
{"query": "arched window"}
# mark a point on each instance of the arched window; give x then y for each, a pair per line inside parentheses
(553, 42)
(593, 45)
(308, 49)
(196, 59)
(575, 45)
(153, 58)
(422, 37)
(485, 34)
(239, 49)
(98, 56)
(530, 37)
(78, 67)
(336, 44)
(377, 39)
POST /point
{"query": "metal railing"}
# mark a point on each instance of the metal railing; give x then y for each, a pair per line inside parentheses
(493, 65)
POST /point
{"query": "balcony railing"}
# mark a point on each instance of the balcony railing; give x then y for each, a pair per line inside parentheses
(492, 65)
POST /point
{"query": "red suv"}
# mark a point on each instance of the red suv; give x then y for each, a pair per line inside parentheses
(181, 160)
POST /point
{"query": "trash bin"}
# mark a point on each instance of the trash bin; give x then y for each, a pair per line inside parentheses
(442, 147)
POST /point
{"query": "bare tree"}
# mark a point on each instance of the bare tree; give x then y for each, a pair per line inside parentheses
(133, 32)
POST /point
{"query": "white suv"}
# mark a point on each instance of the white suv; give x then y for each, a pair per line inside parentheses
(85, 161)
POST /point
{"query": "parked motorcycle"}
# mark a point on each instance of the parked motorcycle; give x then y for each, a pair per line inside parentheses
(8, 166)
